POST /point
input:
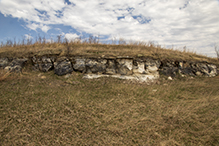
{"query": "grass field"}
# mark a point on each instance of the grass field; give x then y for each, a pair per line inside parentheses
(45, 109)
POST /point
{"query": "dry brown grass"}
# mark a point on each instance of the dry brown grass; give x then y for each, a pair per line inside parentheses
(94, 49)
(4, 74)
(44, 109)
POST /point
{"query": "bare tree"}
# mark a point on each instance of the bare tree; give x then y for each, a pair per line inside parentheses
(59, 38)
(217, 51)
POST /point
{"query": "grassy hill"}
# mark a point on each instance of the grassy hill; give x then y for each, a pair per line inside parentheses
(92, 48)
(45, 109)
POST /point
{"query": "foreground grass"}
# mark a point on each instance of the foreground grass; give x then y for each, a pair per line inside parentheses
(44, 109)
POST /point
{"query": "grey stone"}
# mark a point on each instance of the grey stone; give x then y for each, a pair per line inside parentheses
(96, 66)
(79, 65)
(139, 67)
(152, 66)
(62, 66)
(43, 64)
(199, 69)
(187, 71)
(124, 66)
(16, 65)
(111, 67)
(46, 64)
(169, 71)
(3, 62)
(204, 69)
(212, 70)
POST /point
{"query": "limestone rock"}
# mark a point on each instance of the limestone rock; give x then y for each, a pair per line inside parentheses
(124, 66)
(152, 66)
(186, 69)
(204, 69)
(169, 71)
(62, 66)
(16, 65)
(96, 66)
(212, 70)
(43, 64)
(170, 78)
(79, 64)
(135, 77)
(46, 64)
(111, 67)
(139, 67)
(3, 62)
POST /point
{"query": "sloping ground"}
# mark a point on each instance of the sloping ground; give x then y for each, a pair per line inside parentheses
(45, 109)
(103, 50)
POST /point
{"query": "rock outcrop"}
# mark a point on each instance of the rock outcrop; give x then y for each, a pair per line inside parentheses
(96, 66)
(124, 66)
(139, 69)
(79, 65)
(188, 68)
(4, 62)
(43, 64)
(16, 64)
(62, 66)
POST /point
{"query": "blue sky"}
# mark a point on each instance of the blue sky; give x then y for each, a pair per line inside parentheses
(191, 23)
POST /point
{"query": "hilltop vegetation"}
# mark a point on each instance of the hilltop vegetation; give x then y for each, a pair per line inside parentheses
(92, 47)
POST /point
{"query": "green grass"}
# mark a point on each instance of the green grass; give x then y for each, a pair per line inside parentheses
(107, 111)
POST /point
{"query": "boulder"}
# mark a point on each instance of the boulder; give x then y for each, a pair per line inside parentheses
(169, 71)
(139, 67)
(200, 69)
(124, 66)
(152, 66)
(79, 64)
(62, 66)
(16, 65)
(43, 64)
(187, 71)
(110, 67)
(205, 69)
(212, 70)
(95, 65)
(3, 62)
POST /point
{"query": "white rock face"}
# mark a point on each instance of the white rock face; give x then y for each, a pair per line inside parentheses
(111, 67)
(152, 69)
(213, 70)
(135, 77)
(139, 68)
(152, 66)
(124, 66)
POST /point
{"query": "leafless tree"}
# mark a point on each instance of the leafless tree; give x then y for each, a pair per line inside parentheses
(217, 51)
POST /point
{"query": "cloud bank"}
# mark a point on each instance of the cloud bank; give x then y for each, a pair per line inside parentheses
(191, 23)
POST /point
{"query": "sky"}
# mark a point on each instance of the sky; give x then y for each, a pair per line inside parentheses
(169, 23)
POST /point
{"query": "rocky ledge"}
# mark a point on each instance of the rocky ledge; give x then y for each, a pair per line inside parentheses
(142, 69)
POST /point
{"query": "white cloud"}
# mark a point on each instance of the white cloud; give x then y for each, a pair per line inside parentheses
(28, 37)
(169, 22)
(35, 26)
(71, 36)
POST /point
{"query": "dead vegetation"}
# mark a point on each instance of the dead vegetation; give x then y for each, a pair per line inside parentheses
(44, 109)
(4, 75)
(92, 47)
